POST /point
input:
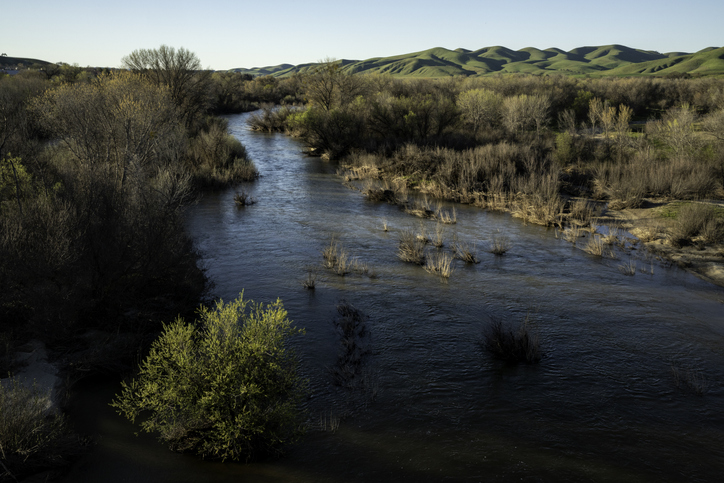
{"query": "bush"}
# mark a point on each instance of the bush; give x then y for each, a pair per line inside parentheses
(218, 159)
(32, 437)
(698, 219)
(225, 388)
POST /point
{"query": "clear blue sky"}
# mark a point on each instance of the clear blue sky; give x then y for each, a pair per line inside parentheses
(237, 33)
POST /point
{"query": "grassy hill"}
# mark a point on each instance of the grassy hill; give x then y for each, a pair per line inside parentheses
(616, 60)
(11, 62)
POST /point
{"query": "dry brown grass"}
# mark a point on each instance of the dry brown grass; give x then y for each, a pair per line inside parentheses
(465, 251)
(449, 217)
(438, 239)
(499, 244)
(411, 249)
(628, 268)
(440, 264)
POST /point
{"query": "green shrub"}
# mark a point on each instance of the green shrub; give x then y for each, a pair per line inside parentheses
(226, 387)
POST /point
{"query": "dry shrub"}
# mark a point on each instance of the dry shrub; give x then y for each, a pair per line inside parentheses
(270, 118)
(242, 198)
(698, 219)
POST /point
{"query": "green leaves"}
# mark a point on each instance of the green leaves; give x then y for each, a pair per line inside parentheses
(225, 387)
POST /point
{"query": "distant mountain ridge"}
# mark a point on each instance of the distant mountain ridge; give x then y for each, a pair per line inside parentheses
(607, 60)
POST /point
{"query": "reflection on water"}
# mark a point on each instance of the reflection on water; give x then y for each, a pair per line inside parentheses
(602, 405)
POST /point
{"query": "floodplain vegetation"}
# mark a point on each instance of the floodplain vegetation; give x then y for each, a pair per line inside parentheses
(96, 169)
(551, 150)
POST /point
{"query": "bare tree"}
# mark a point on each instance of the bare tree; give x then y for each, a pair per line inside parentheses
(328, 87)
(595, 108)
(480, 107)
(179, 70)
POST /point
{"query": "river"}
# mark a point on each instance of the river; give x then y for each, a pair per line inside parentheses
(602, 405)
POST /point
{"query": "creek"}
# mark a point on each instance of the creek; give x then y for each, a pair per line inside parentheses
(615, 397)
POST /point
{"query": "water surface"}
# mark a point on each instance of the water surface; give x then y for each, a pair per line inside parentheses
(602, 405)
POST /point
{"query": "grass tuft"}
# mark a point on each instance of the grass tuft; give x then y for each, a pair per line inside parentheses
(242, 198)
(411, 248)
(499, 244)
(440, 264)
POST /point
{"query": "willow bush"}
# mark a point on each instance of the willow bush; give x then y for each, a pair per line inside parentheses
(225, 387)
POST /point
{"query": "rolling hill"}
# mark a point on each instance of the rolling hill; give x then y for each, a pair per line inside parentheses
(607, 60)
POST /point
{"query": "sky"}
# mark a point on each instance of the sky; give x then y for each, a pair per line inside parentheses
(227, 34)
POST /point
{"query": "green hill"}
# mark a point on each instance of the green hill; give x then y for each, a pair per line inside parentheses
(617, 60)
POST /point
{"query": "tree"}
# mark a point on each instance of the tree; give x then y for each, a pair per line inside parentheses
(179, 70)
(226, 387)
(595, 108)
(480, 107)
(524, 112)
(328, 87)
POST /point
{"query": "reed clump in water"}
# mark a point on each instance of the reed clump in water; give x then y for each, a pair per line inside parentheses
(411, 248)
(511, 344)
(499, 244)
(465, 251)
(242, 198)
(440, 264)
(351, 326)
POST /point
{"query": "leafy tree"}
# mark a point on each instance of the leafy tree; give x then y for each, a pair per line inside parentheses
(226, 387)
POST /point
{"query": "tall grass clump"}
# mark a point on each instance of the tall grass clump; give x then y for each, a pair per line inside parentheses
(698, 220)
(411, 248)
(511, 343)
(465, 251)
(439, 264)
(499, 244)
(225, 387)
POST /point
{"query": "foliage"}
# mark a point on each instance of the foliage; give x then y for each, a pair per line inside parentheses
(100, 227)
(216, 158)
(180, 71)
(32, 437)
(226, 387)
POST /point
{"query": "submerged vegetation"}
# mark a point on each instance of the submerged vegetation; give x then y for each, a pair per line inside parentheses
(511, 343)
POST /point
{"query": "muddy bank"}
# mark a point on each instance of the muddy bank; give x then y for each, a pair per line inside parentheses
(652, 225)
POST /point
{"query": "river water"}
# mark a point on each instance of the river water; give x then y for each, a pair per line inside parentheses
(604, 404)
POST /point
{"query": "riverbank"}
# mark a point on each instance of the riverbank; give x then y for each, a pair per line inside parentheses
(653, 224)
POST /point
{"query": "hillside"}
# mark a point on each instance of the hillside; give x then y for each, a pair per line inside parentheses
(12, 62)
(616, 60)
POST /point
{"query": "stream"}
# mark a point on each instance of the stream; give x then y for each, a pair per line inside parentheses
(630, 388)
